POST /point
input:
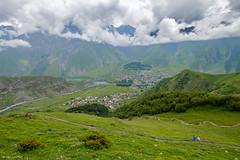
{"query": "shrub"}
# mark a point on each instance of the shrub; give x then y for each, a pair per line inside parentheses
(94, 109)
(233, 105)
(180, 108)
(29, 144)
(23, 115)
(176, 101)
(96, 141)
(29, 116)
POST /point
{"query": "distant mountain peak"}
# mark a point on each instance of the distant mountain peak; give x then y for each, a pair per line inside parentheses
(71, 28)
(154, 33)
(5, 32)
(187, 30)
(123, 29)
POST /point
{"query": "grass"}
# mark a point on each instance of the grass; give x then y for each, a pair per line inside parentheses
(62, 140)
(218, 115)
(164, 129)
(79, 84)
(104, 71)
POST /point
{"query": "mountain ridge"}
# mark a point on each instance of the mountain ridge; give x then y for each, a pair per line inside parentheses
(19, 89)
(61, 57)
(196, 81)
(73, 58)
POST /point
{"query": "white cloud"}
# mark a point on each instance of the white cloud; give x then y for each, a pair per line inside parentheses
(14, 43)
(93, 17)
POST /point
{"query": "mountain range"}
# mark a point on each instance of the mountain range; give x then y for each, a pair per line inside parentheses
(70, 57)
(61, 57)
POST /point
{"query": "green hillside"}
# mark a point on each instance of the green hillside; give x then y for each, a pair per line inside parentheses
(184, 91)
(61, 57)
(164, 136)
(211, 56)
(19, 89)
(196, 81)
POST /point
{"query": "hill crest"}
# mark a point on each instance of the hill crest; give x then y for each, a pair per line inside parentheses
(188, 80)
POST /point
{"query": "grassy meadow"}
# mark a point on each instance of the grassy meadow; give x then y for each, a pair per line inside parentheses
(147, 137)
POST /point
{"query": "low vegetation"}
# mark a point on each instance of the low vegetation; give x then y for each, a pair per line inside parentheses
(137, 66)
(90, 108)
(124, 83)
(96, 141)
(27, 115)
(61, 139)
(176, 101)
(29, 144)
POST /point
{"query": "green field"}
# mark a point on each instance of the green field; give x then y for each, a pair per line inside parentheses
(147, 137)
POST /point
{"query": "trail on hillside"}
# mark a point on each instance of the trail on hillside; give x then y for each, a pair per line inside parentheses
(133, 134)
(203, 122)
(200, 123)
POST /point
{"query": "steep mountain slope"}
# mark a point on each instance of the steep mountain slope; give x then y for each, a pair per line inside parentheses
(62, 57)
(19, 89)
(56, 56)
(212, 56)
(195, 81)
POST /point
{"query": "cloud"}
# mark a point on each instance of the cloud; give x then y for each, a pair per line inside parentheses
(93, 17)
(186, 10)
(14, 43)
(235, 4)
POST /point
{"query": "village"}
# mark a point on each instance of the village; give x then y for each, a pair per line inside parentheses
(112, 101)
(142, 79)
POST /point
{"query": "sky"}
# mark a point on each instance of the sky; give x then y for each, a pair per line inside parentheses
(211, 19)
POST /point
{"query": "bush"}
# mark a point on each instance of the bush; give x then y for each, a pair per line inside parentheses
(94, 109)
(176, 101)
(180, 108)
(29, 144)
(233, 105)
(96, 141)
(22, 115)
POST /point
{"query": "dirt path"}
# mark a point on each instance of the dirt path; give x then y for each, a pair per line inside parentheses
(189, 124)
(137, 135)
(203, 122)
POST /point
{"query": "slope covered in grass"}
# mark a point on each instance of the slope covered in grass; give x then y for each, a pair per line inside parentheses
(148, 137)
(212, 56)
(196, 81)
(63, 139)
